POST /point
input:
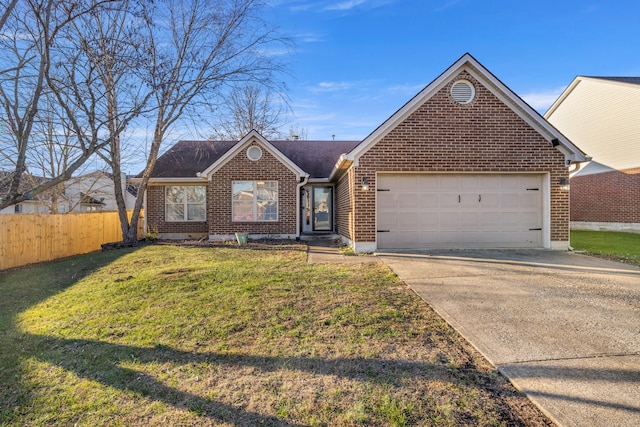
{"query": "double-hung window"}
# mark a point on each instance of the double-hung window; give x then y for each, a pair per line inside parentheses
(185, 203)
(255, 201)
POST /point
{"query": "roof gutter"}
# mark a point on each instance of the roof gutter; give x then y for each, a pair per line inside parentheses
(344, 162)
(170, 180)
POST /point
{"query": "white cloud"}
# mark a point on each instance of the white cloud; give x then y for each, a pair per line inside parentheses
(333, 6)
(345, 5)
(310, 37)
(542, 100)
(331, 87)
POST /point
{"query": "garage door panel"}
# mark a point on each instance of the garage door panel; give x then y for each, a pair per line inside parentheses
(410, 221)
(469, 183)
(510, 201)
(529, 201)
(490, 201)
(469, 200)
(408, 201)
(429, 201)
(489, 220)
(448, 182)
(466, 210)
(448, 221)
(469, 221)
(429, 220)
(448, 201)
(408, 182)
(387, 220)
(386, 201)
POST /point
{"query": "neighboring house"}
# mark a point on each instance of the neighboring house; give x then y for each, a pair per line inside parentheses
(39, 204)
(464, 164)
(87, 193)
(602, 116)
(94, 192)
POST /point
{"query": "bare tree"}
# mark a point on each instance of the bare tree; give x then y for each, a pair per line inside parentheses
(194, 49)
(296, 132)
(39, 63)
(113, 50)
(251, 107)
(107, 63)
(7, 7)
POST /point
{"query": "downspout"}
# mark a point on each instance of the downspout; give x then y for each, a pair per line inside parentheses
(298, 188)
(577, 168)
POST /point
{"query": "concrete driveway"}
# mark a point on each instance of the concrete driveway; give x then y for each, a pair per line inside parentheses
(563, 327)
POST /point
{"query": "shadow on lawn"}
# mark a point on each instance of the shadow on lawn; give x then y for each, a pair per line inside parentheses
(101, 361)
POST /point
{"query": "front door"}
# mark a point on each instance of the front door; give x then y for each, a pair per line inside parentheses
(322, 208)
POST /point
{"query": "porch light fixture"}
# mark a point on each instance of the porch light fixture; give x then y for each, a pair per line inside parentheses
(365, 184)
(564, 184)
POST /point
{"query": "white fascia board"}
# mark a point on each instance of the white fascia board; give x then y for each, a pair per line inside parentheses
(164, 181)
(250, 138)
(337, 167)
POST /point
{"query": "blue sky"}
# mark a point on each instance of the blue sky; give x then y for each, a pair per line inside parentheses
(357, 61)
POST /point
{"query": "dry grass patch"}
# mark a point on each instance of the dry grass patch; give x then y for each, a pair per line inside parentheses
(168, 335)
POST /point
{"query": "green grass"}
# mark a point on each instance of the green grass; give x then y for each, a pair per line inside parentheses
(169, 335)
(624, 247)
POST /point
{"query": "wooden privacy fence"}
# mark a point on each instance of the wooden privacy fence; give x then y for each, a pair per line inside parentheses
(31, 238)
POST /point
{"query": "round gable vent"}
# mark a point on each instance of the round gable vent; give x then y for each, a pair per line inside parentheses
(463, 92)
(254, 153)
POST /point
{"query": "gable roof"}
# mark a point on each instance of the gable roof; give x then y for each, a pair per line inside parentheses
(187, 158)
(192, 159)
(253, 138)
(600, 114)
(469, 64)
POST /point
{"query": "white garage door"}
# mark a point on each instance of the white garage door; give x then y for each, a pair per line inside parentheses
(459, 211)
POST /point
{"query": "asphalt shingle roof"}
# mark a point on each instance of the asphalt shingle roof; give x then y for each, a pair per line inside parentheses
(186, 158)
(633, 80)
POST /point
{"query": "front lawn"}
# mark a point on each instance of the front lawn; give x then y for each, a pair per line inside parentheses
(170, 335)
(624, 247)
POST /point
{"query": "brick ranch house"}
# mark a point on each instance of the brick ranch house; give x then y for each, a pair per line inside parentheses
(602, 115)
(464, 164)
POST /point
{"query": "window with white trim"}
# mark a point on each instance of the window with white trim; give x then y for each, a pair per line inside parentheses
(254, 201)
(185, 203)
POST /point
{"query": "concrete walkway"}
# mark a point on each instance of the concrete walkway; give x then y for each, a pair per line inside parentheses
(325, 250)
(563, 327)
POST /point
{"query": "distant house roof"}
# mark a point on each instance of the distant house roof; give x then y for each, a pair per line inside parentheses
(27, 182)
(86, 199)
(187, 158)
(632, 80)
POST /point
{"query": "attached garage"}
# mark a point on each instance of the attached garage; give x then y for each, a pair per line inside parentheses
(460, 211)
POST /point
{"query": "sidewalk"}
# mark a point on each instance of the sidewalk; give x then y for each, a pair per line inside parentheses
(322, 250)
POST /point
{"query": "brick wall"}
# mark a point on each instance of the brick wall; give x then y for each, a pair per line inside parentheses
(606, 197)
(240, 168)
(155, 215)
(345, 224)
(443, 136)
